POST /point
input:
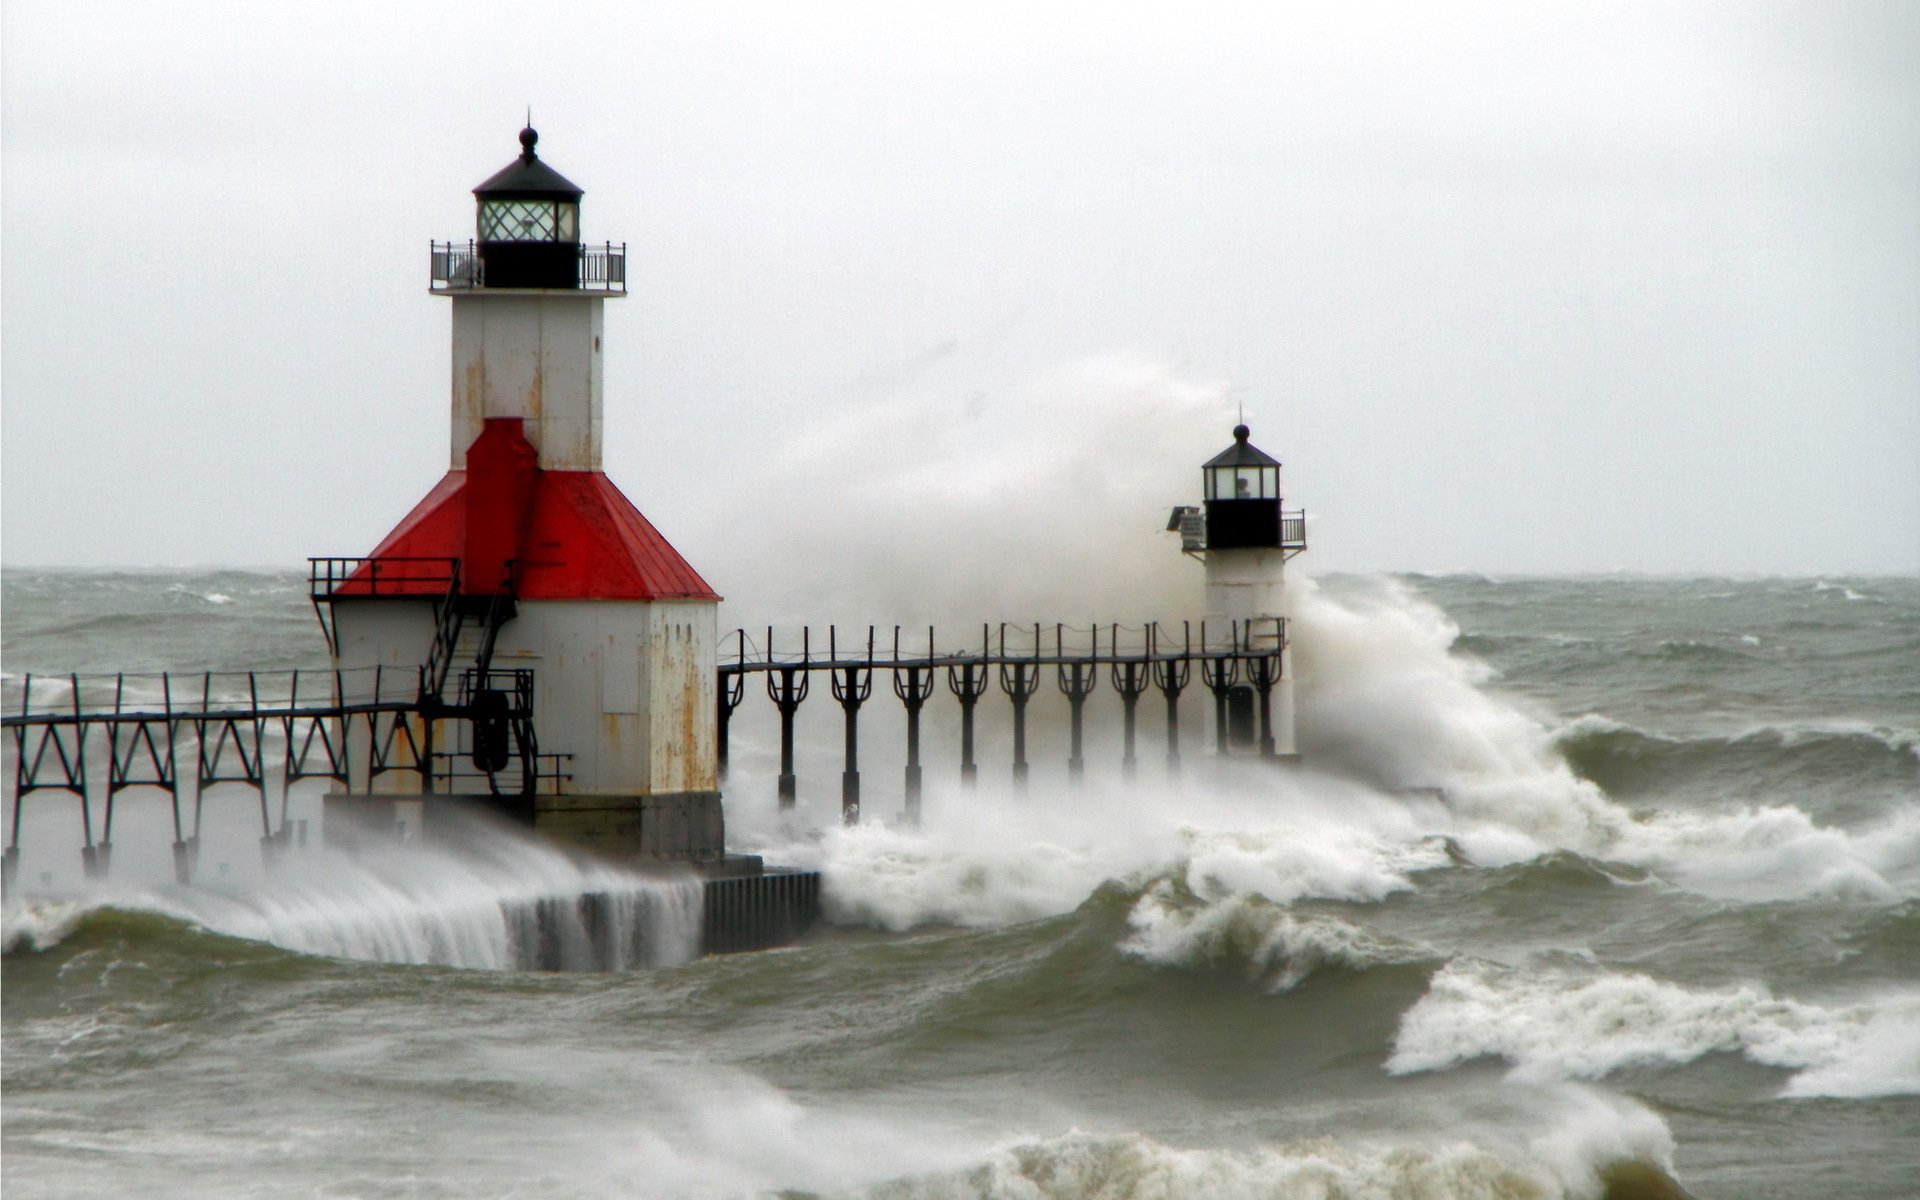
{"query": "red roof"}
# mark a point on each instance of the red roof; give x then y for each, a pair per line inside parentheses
(585, 541)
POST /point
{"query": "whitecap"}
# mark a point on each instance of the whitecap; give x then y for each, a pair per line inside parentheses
(1561, 1025)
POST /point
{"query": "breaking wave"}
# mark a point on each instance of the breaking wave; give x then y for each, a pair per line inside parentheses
(1622, 1153)
(1557, 1025)
(1277, 948)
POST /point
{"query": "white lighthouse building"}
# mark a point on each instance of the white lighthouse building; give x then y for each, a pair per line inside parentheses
(564, 650)
(1245, 537)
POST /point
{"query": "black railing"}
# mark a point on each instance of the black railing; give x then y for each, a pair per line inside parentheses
(1293, 530)
(332, 578)
(459, 267)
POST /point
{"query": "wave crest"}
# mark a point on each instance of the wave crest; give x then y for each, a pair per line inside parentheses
(1079, 1164)
(1555, 1025)
(1279, 948)
(1626, 761)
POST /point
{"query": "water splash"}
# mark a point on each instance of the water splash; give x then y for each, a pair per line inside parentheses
(497, 902)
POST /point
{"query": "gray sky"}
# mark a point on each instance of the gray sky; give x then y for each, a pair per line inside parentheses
(1509, 288)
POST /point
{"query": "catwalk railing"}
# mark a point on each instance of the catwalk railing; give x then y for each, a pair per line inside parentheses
(1238, 662)
(351, 727)
(459, 266)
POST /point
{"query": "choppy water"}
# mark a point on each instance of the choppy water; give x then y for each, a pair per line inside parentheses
(1590, 886)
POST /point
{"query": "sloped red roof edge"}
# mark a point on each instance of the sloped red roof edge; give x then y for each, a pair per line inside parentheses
(585, 541)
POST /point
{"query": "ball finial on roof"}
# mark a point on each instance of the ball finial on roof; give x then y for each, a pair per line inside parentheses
(527, 138)
(1241, 433)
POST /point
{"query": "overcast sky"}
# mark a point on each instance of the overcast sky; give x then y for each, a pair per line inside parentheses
(1529, 287)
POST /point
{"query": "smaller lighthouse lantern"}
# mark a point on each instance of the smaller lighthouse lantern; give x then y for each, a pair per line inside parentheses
(1242, 495)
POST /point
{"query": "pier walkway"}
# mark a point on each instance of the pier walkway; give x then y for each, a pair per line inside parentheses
(1238, 662)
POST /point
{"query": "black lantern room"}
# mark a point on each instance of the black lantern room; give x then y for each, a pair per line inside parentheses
(529, 224)
(1243, 496)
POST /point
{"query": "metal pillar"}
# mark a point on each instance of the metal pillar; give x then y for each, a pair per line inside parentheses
(1076, 680)
(968, 682)
(851, 686)
(732, 690)
(1019, 682)
(1261, 672)
(1219, 672)
(913, 685)
(1130, 680)
(787, 687)
(1171, 675)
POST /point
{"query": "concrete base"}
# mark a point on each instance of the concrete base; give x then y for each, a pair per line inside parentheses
(671, 827)
(684, 827)
(746, 905)
(757, 912)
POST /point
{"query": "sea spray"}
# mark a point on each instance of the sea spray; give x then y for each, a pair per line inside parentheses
(498, 902)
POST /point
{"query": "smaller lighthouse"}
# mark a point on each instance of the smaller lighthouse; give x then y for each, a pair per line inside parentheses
(1245, 537)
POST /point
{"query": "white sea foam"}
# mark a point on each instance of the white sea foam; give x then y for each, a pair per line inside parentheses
(985, 859)
(1082, 1164)
(1586, 1133)
(1777, 851)
(1556, 1025)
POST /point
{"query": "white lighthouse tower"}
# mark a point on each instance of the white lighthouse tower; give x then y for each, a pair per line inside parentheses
(1245, 537)
(564, 650)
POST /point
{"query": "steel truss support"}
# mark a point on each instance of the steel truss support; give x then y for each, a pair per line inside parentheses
(1129, 679)
(852, 684)
(913, 685)
(968, 682)
(1019, 680)
(1171, 676)
(1076, 679)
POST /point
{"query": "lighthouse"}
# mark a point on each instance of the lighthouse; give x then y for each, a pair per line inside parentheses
(561, 650)
(1245, 537)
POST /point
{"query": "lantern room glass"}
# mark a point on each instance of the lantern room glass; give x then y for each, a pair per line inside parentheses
(529, 221)
(1243, 483)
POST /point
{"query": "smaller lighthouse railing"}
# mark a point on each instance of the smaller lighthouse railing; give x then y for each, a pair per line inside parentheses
(1293, 530)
